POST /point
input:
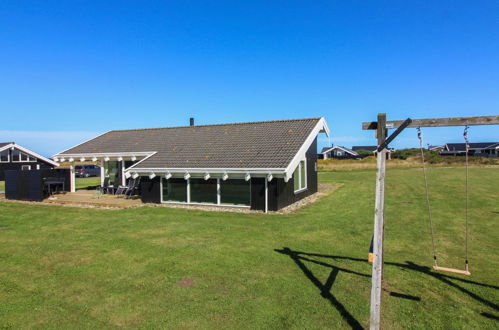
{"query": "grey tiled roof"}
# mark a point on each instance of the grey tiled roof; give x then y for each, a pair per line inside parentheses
(267, 144)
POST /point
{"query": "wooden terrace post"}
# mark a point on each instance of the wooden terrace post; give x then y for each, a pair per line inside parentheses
(379, 223)
(102, 172)
(72, 182)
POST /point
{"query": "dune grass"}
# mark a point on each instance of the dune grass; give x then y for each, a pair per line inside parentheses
(63, 267)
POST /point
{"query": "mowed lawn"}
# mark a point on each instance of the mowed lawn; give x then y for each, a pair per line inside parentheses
(63, 267)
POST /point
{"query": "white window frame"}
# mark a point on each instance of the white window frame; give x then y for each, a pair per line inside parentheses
(26, 169)
(300, 181)
(219, 196)
(34, 160)
(8, 156)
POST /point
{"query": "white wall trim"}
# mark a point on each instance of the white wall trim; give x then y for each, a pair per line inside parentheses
(320, 127)
(34, 154)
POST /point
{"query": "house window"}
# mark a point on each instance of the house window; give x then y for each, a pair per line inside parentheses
(235, 192)
(231, 192)
(203, 191)
(175, 190)
(300, 177)
(4, 156)
(18, 156)
(111, 170)
(25, 167)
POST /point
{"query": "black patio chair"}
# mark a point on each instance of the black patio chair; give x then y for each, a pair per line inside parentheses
(114, 187)
(133, 190)
(103, 189)
(123, 189)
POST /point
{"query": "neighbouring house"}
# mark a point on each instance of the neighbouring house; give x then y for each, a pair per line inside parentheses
(259, 165)
(481, 149)
(338, 152)
(436, 148)
(16, 157)
(372, 149)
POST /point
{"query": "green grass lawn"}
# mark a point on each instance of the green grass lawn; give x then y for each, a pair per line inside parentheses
(87, 183)
(63, 267)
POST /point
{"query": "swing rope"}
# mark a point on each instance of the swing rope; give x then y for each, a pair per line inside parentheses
(466, 142)
(467, 147)
(427, 190)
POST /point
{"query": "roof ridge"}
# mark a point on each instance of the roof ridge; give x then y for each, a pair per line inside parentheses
(211, 125)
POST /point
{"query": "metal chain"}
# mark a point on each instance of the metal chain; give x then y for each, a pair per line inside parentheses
(420, 137)
(465, 135)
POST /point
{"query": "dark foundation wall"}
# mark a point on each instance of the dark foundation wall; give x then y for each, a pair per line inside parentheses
(150, 190)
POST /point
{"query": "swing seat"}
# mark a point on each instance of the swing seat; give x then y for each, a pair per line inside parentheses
(452, 270)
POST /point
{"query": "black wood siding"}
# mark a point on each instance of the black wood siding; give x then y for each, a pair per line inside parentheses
(150, 190)
(17, 165)
(28, 185)
(281, 194)
(285, 193)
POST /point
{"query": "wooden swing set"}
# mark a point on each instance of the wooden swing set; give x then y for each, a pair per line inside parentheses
(381, 127)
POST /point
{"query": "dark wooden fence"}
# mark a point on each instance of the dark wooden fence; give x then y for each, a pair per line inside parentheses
(29, 185)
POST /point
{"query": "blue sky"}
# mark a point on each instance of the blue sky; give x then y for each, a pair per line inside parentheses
(73, 69)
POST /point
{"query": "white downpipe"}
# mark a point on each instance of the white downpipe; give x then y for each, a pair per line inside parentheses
(219, 199)
(266, 197)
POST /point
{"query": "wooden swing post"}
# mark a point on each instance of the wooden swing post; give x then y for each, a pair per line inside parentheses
(381, 127)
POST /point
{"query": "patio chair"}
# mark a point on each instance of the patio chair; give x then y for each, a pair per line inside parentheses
(122, 189)
(103, 189)
(114, 187)
(133, 189)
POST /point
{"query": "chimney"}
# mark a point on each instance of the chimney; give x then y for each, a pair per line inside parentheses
(191, 121)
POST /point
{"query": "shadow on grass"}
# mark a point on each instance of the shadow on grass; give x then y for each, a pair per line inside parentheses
(325, 289)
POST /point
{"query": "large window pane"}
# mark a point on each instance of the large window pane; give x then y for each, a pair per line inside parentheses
(303, 175)
(16, 155)
(4, 156)
(300, 176)
(175, 190)
(235, 192)
(203, 191)
(296, 178)
(111, 170)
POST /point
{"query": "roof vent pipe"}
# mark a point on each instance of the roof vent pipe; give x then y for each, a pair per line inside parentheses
(191, 121)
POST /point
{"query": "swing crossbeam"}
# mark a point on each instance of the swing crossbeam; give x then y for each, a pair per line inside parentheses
(436, 122)
(453, 270)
